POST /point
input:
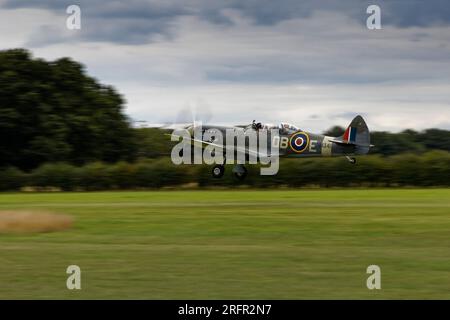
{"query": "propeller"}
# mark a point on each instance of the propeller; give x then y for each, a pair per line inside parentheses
(190, 115)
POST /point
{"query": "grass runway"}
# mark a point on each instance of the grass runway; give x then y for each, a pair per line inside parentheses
(268, 244)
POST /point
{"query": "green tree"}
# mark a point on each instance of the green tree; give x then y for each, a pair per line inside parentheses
(435, 139)
(154, 142)
(335, 131)
(55, 112)
(388, 143)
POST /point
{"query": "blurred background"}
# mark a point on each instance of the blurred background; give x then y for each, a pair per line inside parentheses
(80, 111)
(79, 107)
(63, 130)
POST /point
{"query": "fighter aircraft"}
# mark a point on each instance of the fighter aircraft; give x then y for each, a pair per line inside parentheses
(289, 141)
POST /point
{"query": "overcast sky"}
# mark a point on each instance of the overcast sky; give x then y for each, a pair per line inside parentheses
(312, 63)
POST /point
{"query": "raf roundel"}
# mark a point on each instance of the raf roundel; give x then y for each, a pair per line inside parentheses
(299, 141)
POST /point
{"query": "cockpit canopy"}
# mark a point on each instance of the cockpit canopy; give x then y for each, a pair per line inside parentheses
(288, 128)
(284, 128)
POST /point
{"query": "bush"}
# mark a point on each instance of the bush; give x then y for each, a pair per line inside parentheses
(428, 169)
(96, 176)
(436, 168)
(12, 179)
(58, 175)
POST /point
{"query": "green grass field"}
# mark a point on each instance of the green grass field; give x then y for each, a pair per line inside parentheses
(233, 244)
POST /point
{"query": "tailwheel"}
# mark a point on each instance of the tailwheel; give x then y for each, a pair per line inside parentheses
(240, 172)
(218, 171)
(351, 159)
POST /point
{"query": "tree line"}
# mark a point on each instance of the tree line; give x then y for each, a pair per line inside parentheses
(428, 169)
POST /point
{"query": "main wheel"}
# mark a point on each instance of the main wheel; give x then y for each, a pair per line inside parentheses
(218, 171)
(241, 174)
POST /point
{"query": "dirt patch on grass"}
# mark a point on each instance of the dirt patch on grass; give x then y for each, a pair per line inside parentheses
(33, 221)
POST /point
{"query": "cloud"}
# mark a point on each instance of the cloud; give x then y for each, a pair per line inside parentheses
(46, 35)
(313, 108)
(313, 63)
(416, 13)
(131, 22)
(143, 21)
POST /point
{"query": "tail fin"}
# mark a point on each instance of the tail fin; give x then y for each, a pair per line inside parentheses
(357, 134)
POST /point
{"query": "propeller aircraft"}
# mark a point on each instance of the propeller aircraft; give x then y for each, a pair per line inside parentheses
(283, 140)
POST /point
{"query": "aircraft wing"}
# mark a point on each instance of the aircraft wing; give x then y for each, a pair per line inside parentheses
(240, 150)
(224, 147)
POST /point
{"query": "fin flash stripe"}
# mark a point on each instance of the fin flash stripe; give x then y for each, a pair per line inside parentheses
(350, 135)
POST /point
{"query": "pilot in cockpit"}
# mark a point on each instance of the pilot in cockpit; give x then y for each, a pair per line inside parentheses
(284, 128)
(287, 128)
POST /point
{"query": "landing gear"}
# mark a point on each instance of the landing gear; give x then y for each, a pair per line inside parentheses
(351, 159)
(218, 171)
(240, 172)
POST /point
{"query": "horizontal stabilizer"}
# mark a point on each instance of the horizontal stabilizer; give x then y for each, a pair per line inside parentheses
(351, 143)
